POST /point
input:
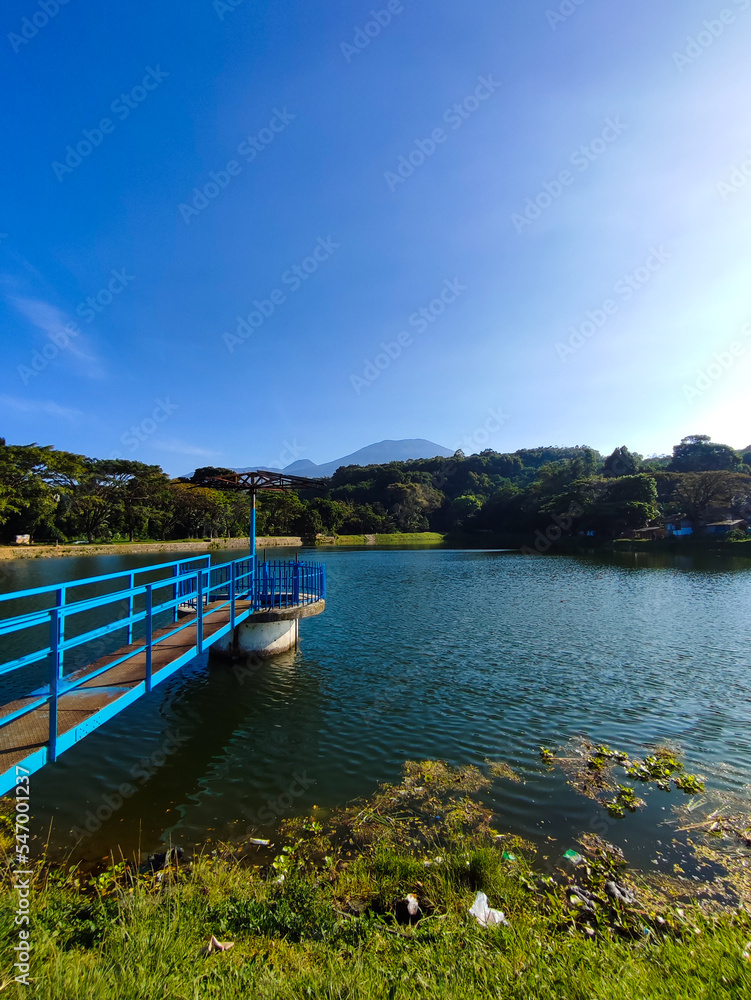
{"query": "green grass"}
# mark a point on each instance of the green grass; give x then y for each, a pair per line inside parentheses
(302, 938)
(319, 919)
(398, 538)
(410, 538)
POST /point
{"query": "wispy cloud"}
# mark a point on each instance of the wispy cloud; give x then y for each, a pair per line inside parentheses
(47, 407)
(52, 322)
(178, 447)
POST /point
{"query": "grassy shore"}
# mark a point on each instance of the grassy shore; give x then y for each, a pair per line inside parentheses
(398, 538)
(322, 915)
(137, 548)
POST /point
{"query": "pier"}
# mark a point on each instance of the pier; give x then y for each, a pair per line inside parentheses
(88, 649)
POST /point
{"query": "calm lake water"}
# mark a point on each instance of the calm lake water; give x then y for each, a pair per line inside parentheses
(429, 653)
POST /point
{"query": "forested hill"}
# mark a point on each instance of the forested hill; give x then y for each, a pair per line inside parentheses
(57, 495)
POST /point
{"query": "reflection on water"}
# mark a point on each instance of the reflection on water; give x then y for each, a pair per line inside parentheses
(463, 655)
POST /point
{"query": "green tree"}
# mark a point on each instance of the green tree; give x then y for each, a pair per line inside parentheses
(608, 507)
(621, 462)
(136, 489)
(463, 511)
(27, 503)
(698, 453)
(707, 496)
(410, 504)
(280, 513)
(332, 513)
(209, 472)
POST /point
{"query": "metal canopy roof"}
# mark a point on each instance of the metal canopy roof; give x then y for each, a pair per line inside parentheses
(252, 482)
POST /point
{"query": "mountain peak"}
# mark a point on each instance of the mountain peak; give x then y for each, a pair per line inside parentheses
(372, 454)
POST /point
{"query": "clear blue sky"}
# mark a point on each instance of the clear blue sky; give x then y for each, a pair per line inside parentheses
(317, 123)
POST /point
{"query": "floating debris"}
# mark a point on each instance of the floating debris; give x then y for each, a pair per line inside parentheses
(625, 799)
(689, 784)
(590, 769)
(499, 769)
(620, 893)
(547, 755)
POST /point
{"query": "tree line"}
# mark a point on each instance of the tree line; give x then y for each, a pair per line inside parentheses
(60, 496)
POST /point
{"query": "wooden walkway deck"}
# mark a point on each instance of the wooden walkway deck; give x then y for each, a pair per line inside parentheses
(87, 707)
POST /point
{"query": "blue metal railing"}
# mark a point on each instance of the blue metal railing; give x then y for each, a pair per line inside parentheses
(85, 615)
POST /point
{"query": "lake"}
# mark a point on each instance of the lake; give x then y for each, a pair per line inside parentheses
(466, 656)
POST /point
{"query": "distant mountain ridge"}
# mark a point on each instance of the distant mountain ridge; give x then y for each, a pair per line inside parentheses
(372, 454)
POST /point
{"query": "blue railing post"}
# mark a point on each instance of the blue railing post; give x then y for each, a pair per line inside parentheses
(149, 634)
(232, 584)
(60, 601)
(56, 671)
(296, 582)
(199, 609)
(130, 608)
(175, 594)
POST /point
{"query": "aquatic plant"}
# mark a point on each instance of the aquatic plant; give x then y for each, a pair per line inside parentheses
(689, 784)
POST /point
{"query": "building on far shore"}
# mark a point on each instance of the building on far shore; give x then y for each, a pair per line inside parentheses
(725, 527)
(679, 527)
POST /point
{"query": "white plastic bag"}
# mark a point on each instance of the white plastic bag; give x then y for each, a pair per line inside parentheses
(485, 915)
